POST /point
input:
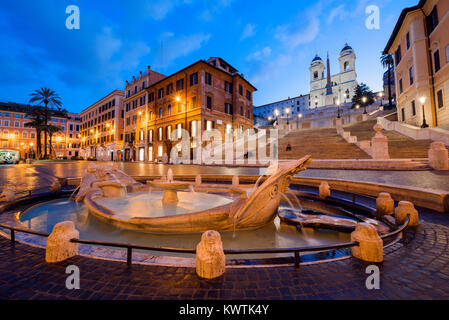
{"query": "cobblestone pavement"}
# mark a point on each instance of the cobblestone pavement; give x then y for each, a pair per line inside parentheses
(416, 270)
(28, 177)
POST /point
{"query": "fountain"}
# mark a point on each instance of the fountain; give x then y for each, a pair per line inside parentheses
(253, 209)
(170, 188)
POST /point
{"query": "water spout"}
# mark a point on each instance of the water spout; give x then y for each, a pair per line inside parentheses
(170, 175)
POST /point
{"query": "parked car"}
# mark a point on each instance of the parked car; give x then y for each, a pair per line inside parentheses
(92, 159)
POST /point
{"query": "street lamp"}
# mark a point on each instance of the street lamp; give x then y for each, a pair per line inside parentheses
(364, 99)
(297, 120)
(287, 111)
(424, 124)
(357, 106)
(276, 113)
(338, 109)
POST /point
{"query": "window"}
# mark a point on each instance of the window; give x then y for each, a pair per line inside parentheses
(240, 89)
(32, 135)
(150, 136)
(241, 110)
(315, 75)
(228, 87)
(160, 93)
(169, 132)
(194, 79)
(209, 102)
(160, 135)
(179, 130)
(413, 108)
(169, 109)
(228, 128)
(436, 59)
(432, 20)
(397, 55)
(194, 128)
(440, 99)
(408, 40)
(161, 112)
(228, 108)
(160, 150)
(24, 135)
(248, 95)
(17, 124)
(447, 53)
(410, 72)
(403, 114)
(208, 125)
(170, 89)
(208, 78)
(401, 87)
(151, 97)
(179, 84)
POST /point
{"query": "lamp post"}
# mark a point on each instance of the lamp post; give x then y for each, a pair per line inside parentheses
(287, 111)
(364, 99)
(338, 109)
(424, 123)
(297, 120)
(276, 113)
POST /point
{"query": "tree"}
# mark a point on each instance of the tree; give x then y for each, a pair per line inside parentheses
(37, 122)
(51, 130)
(387, 62)
(362, 90)
(50, 99)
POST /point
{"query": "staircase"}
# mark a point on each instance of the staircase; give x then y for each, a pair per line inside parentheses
(320, 144)
(399, 146)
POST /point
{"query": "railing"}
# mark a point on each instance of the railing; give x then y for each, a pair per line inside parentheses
(131, 247)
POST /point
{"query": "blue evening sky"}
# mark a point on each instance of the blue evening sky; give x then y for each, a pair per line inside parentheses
(271, 42)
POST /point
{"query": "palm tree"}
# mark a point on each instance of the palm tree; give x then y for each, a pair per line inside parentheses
(37, 122)
(387, 62)
(50, 99)
(51, 130)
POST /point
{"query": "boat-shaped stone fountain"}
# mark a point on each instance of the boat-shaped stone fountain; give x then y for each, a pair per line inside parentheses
(102, 186)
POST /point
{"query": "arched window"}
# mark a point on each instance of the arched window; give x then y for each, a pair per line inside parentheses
(169, 109)
(315, 75)
(346, 66)
(161, 112)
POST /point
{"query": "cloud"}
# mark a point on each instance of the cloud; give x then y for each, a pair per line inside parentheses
(336, 12)
(248, 31)
(263, 70)
(173, 47)
(292, 37)
(159, 9)
(258, 55)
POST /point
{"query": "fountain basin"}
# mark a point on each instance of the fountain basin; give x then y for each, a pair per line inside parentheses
(170, 188)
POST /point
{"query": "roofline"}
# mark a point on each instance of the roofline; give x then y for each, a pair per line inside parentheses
(109, 94)
(300, 96)
(206, 63)
(399, 23)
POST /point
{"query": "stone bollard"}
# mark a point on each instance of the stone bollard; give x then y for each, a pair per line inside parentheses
(404, 209)
(55, 187)
(438, 156)
(7, 195)
(370, 248)
(59, 247)
(325, 190)
(210, 258)
(235, 181)
(379, 144)
(384, 204)
(198, 180)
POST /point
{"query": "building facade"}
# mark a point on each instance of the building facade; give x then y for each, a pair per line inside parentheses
(203, 96)
(15, 136)
(102, 128)
(327, 89)
(291, 107)
(420, 46)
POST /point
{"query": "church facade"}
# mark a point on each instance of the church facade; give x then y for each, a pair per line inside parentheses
(327, 89)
